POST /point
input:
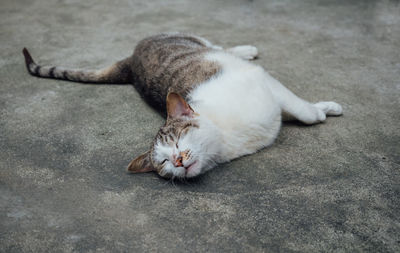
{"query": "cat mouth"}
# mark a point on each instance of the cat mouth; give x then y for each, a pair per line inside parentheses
(189, 168)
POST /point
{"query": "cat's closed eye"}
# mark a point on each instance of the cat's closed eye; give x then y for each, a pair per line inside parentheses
(164, 161)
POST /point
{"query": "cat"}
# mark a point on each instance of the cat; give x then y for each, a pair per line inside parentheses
(218, 105)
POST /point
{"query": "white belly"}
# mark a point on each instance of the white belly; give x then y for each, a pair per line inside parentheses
(240, 104)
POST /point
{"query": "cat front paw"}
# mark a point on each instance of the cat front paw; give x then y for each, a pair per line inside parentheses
(330, 108)
(316, 113)
(313, 115)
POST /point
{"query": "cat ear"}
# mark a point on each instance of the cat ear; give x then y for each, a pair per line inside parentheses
(141, 164)
(177, 106)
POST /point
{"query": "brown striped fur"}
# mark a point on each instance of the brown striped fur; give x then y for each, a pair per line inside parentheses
(160, 64)
(117, 73)
(164, 69)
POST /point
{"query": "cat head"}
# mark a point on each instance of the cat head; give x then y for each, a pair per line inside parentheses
(186, 146)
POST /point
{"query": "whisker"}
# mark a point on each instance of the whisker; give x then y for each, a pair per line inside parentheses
(172, 181)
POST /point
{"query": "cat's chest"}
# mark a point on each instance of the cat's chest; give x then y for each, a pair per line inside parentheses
(236, 96)
(242, 107)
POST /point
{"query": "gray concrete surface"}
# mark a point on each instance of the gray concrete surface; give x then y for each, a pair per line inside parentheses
(64, 146)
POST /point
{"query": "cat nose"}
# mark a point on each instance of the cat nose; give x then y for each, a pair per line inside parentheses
(179, 160)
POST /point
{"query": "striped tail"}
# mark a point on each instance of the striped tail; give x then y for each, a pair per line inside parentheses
(119, 72)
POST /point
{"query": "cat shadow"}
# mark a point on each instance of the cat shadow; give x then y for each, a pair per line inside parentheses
(294, 123)
(297, 123)
(199, 183)
(184, 182)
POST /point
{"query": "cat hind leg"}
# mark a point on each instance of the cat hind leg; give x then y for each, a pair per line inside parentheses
(246, 52)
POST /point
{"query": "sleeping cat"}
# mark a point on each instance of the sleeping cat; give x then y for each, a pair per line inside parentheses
(219, 106)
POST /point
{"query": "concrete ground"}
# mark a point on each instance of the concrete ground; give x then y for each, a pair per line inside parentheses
(64, 146)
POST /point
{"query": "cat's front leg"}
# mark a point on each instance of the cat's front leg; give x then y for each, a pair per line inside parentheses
(309, 113)
(329, 108)
(294, 107)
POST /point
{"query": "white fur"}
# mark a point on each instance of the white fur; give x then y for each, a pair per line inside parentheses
(204, 143)
(245, 52)
(240, 105)
(239, 113)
